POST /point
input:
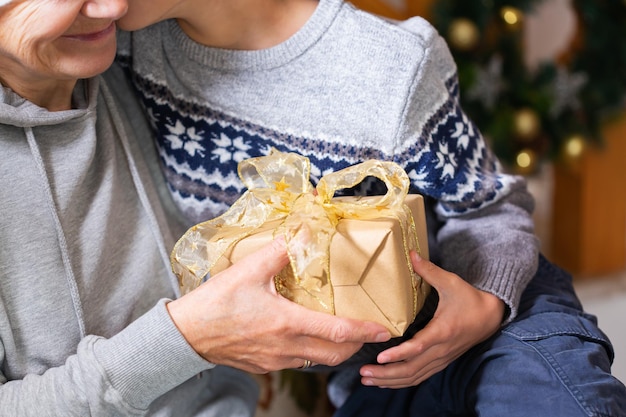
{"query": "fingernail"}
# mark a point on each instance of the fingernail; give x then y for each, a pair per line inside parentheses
(367, 373)
(280, 241)
(417, 256)
(367, 382)
(383, 337)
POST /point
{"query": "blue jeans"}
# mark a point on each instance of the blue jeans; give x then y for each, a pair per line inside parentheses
(551, 361)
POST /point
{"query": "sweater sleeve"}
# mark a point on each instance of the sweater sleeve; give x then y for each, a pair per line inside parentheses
(485, 232)
(117, 376)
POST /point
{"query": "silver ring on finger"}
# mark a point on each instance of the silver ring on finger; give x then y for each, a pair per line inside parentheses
(307, 364)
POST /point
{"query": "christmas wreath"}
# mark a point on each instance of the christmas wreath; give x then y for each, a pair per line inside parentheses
(549, 112)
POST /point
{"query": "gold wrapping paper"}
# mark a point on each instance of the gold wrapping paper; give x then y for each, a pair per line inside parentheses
(349, 255)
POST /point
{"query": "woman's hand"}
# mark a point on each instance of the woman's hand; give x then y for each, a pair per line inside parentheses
(238, 319)
(465, 316)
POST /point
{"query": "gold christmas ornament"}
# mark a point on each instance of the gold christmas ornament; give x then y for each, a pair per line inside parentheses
(512, 16)
(574, 147)
(526, 161)
(463, 34)
(526, 124)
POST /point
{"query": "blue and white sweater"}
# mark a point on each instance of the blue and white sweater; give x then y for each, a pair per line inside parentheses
(347, 87)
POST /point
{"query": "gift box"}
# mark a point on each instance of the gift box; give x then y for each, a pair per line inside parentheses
(349, 256)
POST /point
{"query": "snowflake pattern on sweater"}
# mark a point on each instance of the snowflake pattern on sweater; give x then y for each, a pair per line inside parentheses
(200, 148)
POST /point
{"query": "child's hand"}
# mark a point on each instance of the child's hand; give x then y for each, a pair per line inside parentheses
(465, 316)
(237, 318)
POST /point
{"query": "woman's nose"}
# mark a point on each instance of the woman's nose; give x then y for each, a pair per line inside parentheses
(105, 9)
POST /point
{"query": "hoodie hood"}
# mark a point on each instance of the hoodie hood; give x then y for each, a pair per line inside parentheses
(19, 112)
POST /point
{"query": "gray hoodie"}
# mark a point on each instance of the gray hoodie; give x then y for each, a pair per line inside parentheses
(84, 268)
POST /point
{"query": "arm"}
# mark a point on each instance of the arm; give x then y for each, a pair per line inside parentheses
(484, 241)
(494, 249)
(236, 318)
(485, 231)
(117, 376)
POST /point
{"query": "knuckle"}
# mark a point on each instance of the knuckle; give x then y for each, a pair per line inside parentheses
(418, 347)
(334, 359)
(339, 334)
(446, 331)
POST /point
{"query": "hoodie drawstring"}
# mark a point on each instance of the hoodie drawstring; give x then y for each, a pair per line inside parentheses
(69, 271)
(141, 192)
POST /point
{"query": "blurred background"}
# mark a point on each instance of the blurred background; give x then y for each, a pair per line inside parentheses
(545, 81)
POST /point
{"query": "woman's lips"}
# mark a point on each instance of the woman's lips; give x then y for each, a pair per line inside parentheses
(93, 36)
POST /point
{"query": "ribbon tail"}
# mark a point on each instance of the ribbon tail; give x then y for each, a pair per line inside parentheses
(308, 230)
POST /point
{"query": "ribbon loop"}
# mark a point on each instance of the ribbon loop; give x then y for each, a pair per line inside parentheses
(394, 177)
(278, 171)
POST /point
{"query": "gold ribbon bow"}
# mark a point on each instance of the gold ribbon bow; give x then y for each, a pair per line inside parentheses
(279, 190)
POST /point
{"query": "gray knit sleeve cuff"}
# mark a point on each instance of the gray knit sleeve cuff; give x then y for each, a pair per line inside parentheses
(506, 279)
(148, 358)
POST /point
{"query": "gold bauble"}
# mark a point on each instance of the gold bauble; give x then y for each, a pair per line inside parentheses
(512, 17)
(574, 146)
(463, 34)
(526, 161)
(526, 124)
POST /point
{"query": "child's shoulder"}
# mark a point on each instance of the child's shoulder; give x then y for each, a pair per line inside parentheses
(415, 29)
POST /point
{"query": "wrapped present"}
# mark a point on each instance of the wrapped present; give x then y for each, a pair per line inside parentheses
(349, 256)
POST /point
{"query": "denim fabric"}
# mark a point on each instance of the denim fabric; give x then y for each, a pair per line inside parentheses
(552, 361)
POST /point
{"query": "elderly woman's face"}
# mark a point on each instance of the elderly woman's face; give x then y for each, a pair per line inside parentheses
(58, 39)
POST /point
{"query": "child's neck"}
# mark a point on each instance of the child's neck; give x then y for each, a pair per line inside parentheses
(246, 24)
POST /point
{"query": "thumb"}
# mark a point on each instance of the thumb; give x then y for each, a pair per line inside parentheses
(430, 272)
(265, 262)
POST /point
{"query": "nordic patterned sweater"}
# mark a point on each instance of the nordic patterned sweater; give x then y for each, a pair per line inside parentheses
(347, 87)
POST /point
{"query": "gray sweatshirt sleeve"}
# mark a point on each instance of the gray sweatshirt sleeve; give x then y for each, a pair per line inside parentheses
(120, 376)
(484, 230)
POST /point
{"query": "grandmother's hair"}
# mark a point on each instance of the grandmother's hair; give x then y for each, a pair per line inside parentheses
(3, 2)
